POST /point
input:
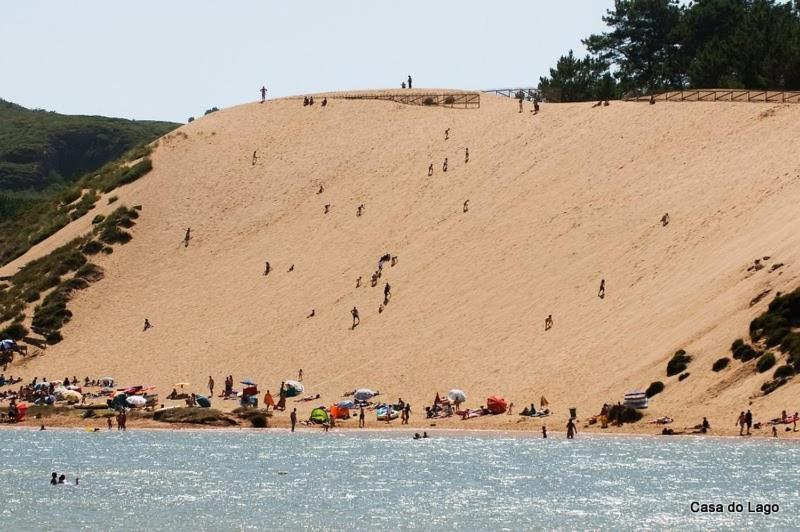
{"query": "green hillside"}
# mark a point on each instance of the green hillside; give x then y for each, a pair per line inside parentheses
(45, 159)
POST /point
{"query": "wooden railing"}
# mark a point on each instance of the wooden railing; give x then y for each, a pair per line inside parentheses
(441, 98)
(460, 100)
(528, 93)
(722, 95)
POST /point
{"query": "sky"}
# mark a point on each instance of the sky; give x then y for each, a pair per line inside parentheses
(172, 59)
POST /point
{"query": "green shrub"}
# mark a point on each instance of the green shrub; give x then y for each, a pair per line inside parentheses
(212, 110)
(624, 414)
(98, 218)
(683, 376)
(781, 316)
(766, 362)
(259, 421)
(114, 235)
(108, 250)
(744, 352)
(53, 337)
(770, 386)
(15, 331)
(90, 272)
(720, 364)
(93, 247)
(784, 371)
(134, 172)
(678, 363)
(191, 119)
(654, 388)
(30, 295)
(112, 199)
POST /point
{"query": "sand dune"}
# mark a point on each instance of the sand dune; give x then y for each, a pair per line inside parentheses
(556, 202)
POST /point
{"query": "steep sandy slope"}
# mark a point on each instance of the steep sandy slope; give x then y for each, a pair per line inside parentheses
(556, 202)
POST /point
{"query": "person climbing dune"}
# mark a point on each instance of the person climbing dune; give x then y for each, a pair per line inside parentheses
(430, 170)
(263, 93)
(444, 165)
(321, 189)
(447, 133)
(548, 322)
(602, 292)
(466, 206)
(187, 237)
(267, 268)
(360, 210)
(255, 157)
(147, 325)
(387, 294)
(356, 319)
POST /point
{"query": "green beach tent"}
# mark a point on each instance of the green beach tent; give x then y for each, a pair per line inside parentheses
(319, 415)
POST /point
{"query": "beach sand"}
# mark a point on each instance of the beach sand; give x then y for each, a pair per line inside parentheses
(557, 202)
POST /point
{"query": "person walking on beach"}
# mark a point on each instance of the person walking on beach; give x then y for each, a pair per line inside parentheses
(521, 98)
(748, 419)
(535, 107)
(110, 424)
(356, 319)
(263, 93)
(430, 170)
(147, 325)
(740, 422)
(406, 413)
(293, 418)
(361, 418)
(544, 432)
(602, 292)
(572, 430)
(548, 322)
(409, 81)
(444, 165)
(210, 386)
(300, 375)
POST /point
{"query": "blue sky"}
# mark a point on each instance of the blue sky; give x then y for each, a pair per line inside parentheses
(171, 59)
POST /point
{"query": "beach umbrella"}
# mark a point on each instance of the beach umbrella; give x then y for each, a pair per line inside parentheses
(73, 387)
(133, 390)
(71, 396)
(248, 382)
(345, 404)
(457, 396)
(7, 344)
(40, 385)
(136, 400)
(181, 384)
(364, 394)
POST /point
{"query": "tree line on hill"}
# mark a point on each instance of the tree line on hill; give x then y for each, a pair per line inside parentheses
(658, 45)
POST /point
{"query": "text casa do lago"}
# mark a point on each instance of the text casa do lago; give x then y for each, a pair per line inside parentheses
(734, 507)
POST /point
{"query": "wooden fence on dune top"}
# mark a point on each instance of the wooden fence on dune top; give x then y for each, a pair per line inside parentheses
(453, 100)
(722, 95)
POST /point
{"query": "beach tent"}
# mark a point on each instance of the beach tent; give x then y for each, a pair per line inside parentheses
(248, 382)
(437, 400)
(7, 345)
(71, 396)
(543, 402)
(457, 396)
(364, 394)
(346, 404)
(293, 388)
(22, 409)
(136, 400)
(203, 401)
(319, 415)
(106, 382)
(340, 412)
(496, 404)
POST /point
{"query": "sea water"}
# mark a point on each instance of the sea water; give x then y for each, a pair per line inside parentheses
(271, 480)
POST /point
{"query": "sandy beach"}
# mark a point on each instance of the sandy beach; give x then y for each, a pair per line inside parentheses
(557, 202)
